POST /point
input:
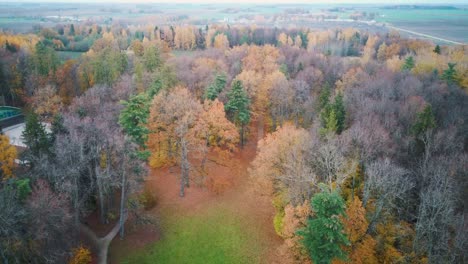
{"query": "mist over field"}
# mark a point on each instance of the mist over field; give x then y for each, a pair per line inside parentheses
(246, 132)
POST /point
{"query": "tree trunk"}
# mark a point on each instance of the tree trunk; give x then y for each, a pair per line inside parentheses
(76, 203)
(102, 214)
(122, 201)
(242, 136)
(102, 244)
(184, 177)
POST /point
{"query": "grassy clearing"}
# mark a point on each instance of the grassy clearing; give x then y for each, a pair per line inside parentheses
(69, 55)
(212, 236)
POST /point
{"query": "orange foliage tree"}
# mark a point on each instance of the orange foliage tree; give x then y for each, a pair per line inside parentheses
(281, 168)
(362, 248)
(46, 103)
(214, 131)
(179, 124)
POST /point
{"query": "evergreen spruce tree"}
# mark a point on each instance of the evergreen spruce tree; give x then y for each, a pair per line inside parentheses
(35, 136)
(237, 107)
(332, 115)
(408, 65)
(424, 121)
(340, 113)
(450, 74)
(323, 237)
(214, 89)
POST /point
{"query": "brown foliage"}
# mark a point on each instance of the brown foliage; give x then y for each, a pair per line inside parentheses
(280, 164)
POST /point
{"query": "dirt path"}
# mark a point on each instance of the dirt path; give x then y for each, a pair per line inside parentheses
(240, 198)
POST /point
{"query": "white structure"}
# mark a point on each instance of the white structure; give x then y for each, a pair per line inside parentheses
(14, 133)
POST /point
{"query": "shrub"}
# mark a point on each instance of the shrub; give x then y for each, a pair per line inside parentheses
(147, 199)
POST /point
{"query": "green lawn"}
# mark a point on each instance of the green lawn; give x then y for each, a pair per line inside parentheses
(213, 236)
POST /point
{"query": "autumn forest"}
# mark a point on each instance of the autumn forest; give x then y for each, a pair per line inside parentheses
(229, 143)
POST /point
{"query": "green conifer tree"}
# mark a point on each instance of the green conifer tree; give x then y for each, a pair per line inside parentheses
(323, 237)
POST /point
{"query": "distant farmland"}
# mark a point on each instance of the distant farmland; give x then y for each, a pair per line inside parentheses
(447, 22)
(444, 22)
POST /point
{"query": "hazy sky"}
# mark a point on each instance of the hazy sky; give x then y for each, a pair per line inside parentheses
(257, 1)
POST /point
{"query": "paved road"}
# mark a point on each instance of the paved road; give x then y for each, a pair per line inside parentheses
(425, 35)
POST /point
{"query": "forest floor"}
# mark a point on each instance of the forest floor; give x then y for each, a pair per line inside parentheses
(234, 225)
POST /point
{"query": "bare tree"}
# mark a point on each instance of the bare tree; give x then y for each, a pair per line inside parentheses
(387, 184)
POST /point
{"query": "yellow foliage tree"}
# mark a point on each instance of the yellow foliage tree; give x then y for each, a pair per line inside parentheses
(298, 42)
(382, 52)
(395, 63)
(184, 38)
(282, 39)
(81, 255)
(221, 42)
(8, 155)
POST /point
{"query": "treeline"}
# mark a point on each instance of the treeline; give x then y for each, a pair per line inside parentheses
(366, 140)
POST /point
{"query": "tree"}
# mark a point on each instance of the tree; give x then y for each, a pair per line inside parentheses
(45, 59)
(408, 65)
(133, 118)
(50, 221)
(382, 52)
(184, 38)
(72, 30)
(221, 42)
(282, 164)
(35, 136)
(7, 158)
(340, 113)
(81, 255)
(425, 121)
(329, 121)
(107, 65)
(13, 222)
(437, 49)
(46, 103)
(137, 47)
(152, 58)
(333, 115)
(237, 107)
(450, 74)
(214, 89)
(214, 131)
(172, 116)
(362, 245)
(282, 39)
(323, 236)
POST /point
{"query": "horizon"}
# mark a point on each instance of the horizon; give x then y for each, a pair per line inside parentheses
(247, 2)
